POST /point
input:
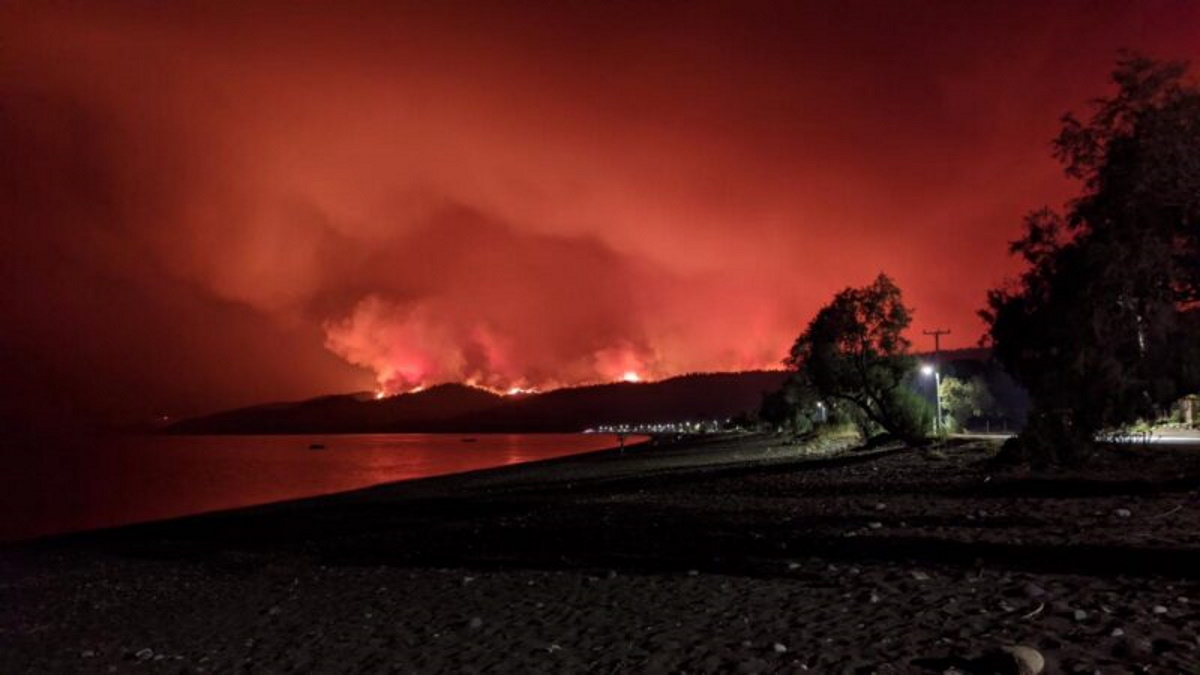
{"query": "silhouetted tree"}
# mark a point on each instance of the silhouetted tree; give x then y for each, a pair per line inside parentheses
(854, 352)
(1099, 327)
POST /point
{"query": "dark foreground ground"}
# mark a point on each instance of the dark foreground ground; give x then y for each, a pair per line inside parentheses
(655, 561)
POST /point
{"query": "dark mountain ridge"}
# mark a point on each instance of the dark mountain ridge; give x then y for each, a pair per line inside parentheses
(457, 408)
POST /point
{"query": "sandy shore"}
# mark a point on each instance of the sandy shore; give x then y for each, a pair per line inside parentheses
(728, 555)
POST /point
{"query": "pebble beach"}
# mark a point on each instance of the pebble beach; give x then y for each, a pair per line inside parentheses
(745, 554)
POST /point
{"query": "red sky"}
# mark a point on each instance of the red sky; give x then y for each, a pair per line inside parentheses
(209, 204)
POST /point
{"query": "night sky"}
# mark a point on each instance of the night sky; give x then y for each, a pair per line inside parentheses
(209, 204)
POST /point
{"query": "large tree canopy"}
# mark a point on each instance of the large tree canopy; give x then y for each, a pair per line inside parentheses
(1101, 328)
(854, 352)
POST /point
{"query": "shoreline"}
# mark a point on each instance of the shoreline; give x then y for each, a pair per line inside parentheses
(681, 459)
(324, 443)
(894, 562)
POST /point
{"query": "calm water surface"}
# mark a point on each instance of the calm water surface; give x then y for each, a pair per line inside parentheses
(59, 486)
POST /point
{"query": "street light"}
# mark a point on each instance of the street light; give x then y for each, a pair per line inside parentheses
(928, 370)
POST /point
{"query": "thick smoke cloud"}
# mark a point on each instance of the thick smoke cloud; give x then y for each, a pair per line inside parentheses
(208, 204)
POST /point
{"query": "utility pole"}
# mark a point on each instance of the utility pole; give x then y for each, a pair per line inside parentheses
(937, 334)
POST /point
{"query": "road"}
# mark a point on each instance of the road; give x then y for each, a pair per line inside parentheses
(1160, 436)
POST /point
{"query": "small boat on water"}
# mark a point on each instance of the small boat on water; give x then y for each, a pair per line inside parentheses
(468, 440)
(316, 446)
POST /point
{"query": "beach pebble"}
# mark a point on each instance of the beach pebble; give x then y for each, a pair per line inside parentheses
(144, 654)
(875, 525)
(475, 623)
(1080, 615)
(1025, 660)
(880, 506)
(793, 566)
(1117, 632)
(692, 573)
(1123, 513)
(779, 648)
(1159, 609)
(919, 575)
(87, 653)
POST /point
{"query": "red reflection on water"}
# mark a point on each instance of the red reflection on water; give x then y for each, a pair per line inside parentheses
(63, 487)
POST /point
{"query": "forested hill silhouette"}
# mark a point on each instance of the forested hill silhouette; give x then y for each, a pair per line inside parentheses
(346, 413)
(457, 408)
(976, 354)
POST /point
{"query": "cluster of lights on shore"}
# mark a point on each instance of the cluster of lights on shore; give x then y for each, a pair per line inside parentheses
(688, 427)
(628, 376)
